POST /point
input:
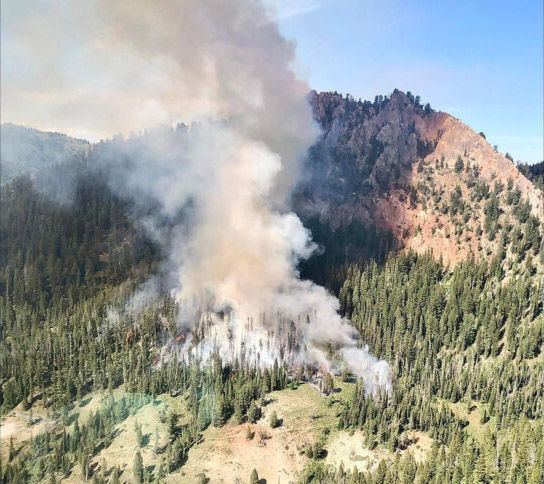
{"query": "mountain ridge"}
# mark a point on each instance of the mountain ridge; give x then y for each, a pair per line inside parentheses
(28, 150)
(381, 164)
(464, 343)
(388, 166)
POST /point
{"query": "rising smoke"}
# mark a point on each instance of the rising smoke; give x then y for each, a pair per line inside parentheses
(223, 183)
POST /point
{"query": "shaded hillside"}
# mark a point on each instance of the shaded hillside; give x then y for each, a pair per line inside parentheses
(432, 182)
(26, 150)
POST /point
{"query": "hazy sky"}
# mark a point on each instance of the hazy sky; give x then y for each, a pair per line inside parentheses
(480, 60)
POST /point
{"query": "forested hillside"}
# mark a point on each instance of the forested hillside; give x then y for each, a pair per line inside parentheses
(534, 172)
(82, 383)
(463, 338)
(27, 150)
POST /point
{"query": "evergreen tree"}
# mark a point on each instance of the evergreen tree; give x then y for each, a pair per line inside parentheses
(254, 478)
(273, 420)
(254, 412)
(138, 468)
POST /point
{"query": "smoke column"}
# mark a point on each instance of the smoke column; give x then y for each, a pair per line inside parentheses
(224, 183)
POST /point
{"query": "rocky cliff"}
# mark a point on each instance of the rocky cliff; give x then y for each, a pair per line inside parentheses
(398, 166)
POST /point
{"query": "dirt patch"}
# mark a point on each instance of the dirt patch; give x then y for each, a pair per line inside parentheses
(226, 454)
(420, 445)
(21, 425)
(348, 449)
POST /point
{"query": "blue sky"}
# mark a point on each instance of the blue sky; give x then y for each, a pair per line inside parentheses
(479, 60)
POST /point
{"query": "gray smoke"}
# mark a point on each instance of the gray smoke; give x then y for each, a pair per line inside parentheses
(224, 183)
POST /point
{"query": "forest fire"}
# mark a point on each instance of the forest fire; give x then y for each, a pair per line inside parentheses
(223, 188)
(179, 337)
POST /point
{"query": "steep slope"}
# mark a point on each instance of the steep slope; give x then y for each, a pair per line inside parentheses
(83, 395)
(471, 190)
(26, 150)
(423, 176)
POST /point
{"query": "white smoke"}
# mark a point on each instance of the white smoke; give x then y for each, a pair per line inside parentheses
(224, 183)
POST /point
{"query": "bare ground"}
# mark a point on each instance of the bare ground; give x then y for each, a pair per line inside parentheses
(225, 455)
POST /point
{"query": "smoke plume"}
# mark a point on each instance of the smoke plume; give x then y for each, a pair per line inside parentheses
(223, 184)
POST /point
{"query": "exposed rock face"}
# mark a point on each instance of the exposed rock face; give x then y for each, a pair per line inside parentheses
(458, 237)
(400, 166)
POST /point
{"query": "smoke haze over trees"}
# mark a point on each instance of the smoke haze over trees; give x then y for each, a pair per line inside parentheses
(165, 266)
